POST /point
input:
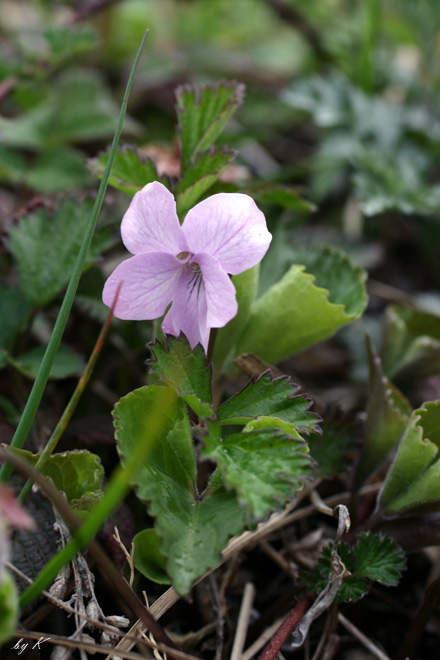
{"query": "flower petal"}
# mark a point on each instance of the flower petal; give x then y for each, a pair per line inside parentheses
(189, 309)
(219, 290)
(151, 224)
(229, 227)
(148, 285)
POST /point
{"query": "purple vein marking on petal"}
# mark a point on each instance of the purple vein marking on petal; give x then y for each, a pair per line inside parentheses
(150, 282)
(187, 312)
(231, 228)
(150, 223)
(219, 291)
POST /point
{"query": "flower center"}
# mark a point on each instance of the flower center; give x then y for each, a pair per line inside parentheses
(186, 257)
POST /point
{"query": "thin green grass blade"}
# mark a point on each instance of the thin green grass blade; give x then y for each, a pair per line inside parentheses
(52, 347)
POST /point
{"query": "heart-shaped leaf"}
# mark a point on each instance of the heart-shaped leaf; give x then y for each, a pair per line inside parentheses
(297, 312)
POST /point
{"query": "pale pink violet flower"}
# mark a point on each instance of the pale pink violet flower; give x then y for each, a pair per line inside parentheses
(186, 265)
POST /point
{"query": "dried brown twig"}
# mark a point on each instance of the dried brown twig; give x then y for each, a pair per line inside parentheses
(243, 621)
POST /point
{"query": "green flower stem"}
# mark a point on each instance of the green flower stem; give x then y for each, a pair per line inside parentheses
(52, 347)
(70, 408)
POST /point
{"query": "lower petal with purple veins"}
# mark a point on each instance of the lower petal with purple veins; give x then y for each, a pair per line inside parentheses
(189, 309)
(219, 290)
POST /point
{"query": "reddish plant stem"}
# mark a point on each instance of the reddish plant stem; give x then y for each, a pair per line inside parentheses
(288, 625)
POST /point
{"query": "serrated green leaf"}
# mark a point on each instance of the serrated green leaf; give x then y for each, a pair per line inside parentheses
(9, 606)
(266, 467)
(413, 479)
(352, 588)
(374, 557)
(203, 113)
(65, 365)
(411, 343)
(379, 558)
(78, 474)
(193, 531)
(271, 398)
(388, 412)
(14, 311)
(333, 270)
(147, 557)
(297, 312)
(201, 173)
(45, 248)
(130, 172)
(185, 369)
